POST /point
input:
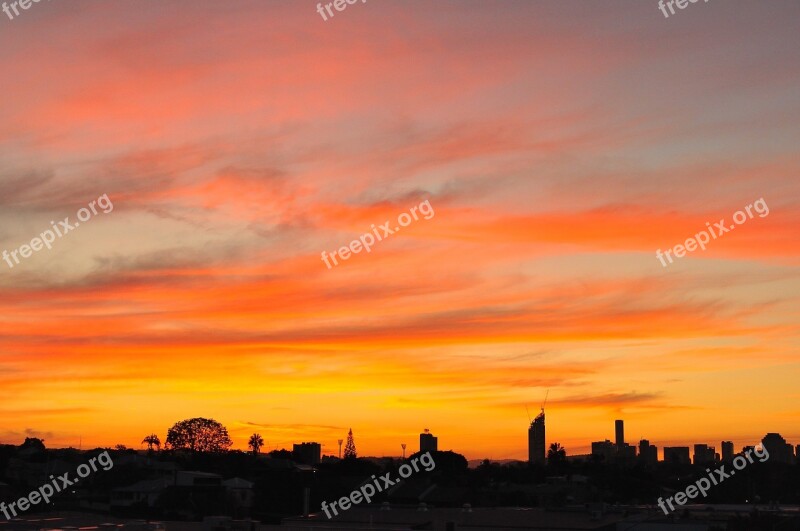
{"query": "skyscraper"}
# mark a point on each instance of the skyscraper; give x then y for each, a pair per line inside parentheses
(779, 451)
(677, 455)
(727, 450)
(704, 454)
(619, 428)
(536, 440)
(648, 453)
(427, 442)
(604, 451)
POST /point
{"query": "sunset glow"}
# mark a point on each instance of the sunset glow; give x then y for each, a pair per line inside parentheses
(559, 148)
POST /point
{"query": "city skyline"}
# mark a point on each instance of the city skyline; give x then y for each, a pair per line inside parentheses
(429, 442)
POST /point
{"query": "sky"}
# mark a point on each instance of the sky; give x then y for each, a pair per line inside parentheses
(559, 145)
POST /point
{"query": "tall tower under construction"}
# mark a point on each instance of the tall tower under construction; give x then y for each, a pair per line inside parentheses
(536, 444)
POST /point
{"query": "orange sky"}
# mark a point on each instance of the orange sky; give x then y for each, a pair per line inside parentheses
(559, 143)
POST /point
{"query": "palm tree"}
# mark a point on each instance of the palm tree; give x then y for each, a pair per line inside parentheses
(255, 442)
(556, 454)
(152, 440)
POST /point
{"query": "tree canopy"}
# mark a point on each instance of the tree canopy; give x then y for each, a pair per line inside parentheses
(255, 443)
(198, 435)
(556, 453)
(33, 442)
(152, 440)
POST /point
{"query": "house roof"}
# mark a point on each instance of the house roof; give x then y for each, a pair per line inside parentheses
(146, 486)
(238, 483)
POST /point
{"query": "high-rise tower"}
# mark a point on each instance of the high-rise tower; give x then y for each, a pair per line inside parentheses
(427, 442)
(536, 440)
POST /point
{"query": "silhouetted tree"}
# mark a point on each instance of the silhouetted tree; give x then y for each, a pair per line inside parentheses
(121, 447)
(33, 442)
(447, 463)
(198, 435)
(281, 454)
(350, 447)
(255, 443)
(556, 454)
(152, 440)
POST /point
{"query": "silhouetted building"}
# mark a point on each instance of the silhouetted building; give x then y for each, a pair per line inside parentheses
(779, 451)
(619, 430)
(604, 450)
(240, 493)
(797, 453)
(704, 454)
(144, 493)
(192, 478)
(648, 453)
(536, 440)
(677, 455)
(308, 453)
(427, 442)
(626, 454)
(727, 450)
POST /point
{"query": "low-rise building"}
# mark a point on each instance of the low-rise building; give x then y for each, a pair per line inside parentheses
(307, 453)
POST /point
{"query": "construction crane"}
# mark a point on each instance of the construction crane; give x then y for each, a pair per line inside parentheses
(530, 421)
